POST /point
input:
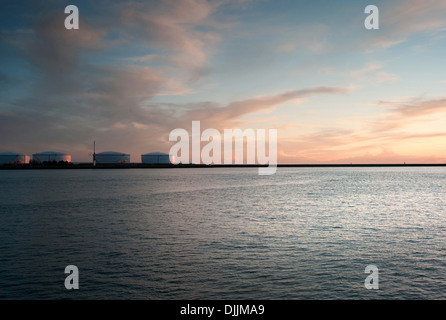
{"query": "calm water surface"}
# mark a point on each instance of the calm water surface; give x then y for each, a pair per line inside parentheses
(303, 233)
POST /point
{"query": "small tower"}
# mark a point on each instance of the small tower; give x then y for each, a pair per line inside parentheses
(94, 153)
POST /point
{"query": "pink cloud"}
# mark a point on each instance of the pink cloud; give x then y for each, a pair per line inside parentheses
(401, 19)
(171, 28)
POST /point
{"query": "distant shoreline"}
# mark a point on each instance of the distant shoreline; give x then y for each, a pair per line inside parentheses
(182, 166)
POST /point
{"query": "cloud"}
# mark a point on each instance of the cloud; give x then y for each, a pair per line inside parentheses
(372, 67)
(76, 87)
(402, 19)
(74, 101)
(229, 115)
(372, 73)
(398, 127)
(71, 100)
(417, 108)
(384, 77)
(389, 156)
(345, 146)
(405, 113)
(297, 39)
(56, 51)
(178, 31)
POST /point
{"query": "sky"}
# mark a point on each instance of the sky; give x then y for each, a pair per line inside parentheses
(134, 71)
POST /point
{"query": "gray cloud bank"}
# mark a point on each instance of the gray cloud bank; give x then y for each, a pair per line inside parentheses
(79, 88)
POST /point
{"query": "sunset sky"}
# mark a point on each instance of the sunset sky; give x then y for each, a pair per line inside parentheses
(135, 70)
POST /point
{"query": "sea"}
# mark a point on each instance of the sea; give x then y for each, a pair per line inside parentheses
(316, 233)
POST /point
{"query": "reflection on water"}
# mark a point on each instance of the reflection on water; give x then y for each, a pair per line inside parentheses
(303, 233)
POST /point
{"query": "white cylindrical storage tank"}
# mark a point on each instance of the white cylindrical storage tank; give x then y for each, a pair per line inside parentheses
(156, 158)
(51, 156)
(13, 158)
(111, 157)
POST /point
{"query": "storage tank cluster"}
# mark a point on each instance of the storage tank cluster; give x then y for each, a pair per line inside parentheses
(13, 158)
(109, 157)
(156, 158)
(112, 157)
(51, 156)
